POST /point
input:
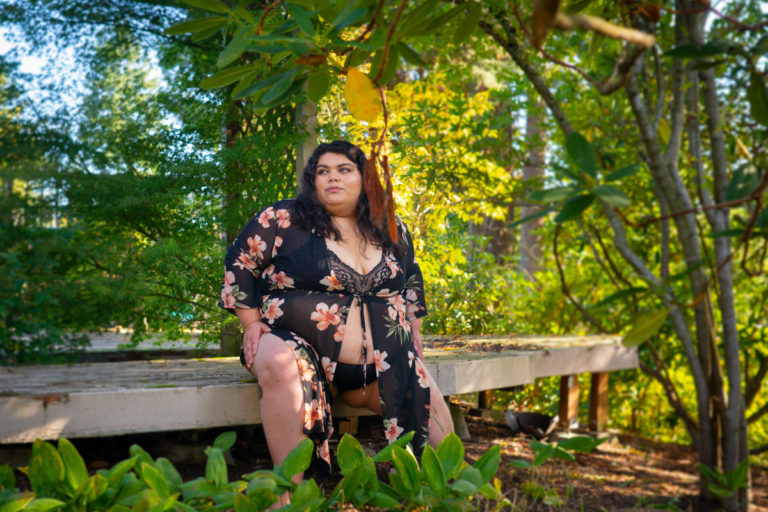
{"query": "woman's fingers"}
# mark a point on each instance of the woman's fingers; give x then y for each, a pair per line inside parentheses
(251, 338)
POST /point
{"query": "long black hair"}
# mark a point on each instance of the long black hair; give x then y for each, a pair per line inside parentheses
(310, 214)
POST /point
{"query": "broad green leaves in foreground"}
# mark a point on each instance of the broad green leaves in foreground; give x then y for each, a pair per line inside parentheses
(444, 480)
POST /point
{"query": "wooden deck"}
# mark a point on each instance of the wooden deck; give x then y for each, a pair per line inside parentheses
(109, 398)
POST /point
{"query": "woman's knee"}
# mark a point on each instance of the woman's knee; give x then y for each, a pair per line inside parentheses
(275, 364)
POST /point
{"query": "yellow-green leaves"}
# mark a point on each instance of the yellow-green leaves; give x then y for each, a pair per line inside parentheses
(362, 96)
(644, 327)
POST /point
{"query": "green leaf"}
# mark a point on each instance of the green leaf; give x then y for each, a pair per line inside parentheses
(278, 89)
(349, 453)
(77, 474)
(487, 491)
(302, 19)
(611, 195)
(544, 454)
(644, 327)
(737, 479)
(471, 474)
(762, 219)
(692, 51)
(234, 48)
(385, 454)
(528, 218)
(170, 473)
(299, 459)
(450, 453)
(42, 505)
(194, 26)
(407, 467)
(225, 441)
(433, 471)
(468, 24)
(463, 487)
(744, 181)
(216, 467)
(761, 47)
(726, 233)
(561, 454)
(712, 474)
(97, 485)
(16, 504)
(582, 153)
(622, 173)
(620, 295)
(384, 501)
(410, 55)
(319, 83)
(520, 464)
(573, 208)
(397, 483)
(306, 492)
(488, 463)
(118, 472)
(210, 5)
(357, 57)
(7, 478)
(46, 469)
(226, 76)
(155, 480)
(348, 17)
(553, 195)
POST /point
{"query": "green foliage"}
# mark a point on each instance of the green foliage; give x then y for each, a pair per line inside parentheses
(59, 481)
(537, 485)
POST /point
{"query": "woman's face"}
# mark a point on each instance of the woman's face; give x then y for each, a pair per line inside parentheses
(338, 183)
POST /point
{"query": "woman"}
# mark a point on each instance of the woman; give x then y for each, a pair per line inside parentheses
(330, 306)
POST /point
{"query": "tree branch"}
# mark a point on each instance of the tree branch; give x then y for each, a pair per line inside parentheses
(567, 292)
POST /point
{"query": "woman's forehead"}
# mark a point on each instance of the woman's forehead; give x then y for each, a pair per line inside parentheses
(334, 160)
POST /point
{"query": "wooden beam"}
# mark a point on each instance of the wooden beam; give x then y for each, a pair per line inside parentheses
(348, 425)
(598, 402)
(569, 402)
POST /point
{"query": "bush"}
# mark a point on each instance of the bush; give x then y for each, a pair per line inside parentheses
(444, 481)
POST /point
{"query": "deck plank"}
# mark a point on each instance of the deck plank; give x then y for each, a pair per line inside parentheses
(109, 398)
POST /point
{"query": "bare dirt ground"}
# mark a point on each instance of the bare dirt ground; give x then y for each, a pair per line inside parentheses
(625, 473)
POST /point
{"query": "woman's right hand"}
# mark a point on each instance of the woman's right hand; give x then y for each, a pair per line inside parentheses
(251, 335)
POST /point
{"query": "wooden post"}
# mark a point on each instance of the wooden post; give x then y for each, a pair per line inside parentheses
(348, 426)
(306, 126)
(485, 399)
(569, 402)
(598, 402)
(459, 423)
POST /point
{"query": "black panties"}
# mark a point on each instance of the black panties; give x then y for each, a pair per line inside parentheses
(350, 376)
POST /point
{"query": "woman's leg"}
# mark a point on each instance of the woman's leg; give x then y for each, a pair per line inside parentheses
(282, 396)
(440, 422)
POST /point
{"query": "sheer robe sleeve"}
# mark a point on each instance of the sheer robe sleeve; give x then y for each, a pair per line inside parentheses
(247, 257)
(414, 285)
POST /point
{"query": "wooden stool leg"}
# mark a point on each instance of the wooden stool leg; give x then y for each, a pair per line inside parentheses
(598, 402)
(348, 425)
(485, 399)
(569, 402)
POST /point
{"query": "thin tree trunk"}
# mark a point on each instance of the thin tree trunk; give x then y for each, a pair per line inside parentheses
(536, 135)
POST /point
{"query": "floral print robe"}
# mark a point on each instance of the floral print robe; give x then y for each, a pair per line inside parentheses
(305, 291)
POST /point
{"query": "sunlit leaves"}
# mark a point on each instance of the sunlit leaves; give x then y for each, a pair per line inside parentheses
(611, 195)
(361, 96)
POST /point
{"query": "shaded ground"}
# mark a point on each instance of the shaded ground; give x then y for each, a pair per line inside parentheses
(626, 473)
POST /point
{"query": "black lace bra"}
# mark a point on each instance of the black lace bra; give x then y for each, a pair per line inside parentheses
(355, 282)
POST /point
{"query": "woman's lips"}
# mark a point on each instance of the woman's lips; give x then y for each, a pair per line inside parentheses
(333, 189)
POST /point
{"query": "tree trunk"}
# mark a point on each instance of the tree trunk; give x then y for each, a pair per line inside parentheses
(306, 127)
(536, 135)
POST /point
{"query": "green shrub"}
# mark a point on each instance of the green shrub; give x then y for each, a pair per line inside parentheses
(444, 481)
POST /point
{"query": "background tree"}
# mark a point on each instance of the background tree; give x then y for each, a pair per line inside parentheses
(302, 41)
